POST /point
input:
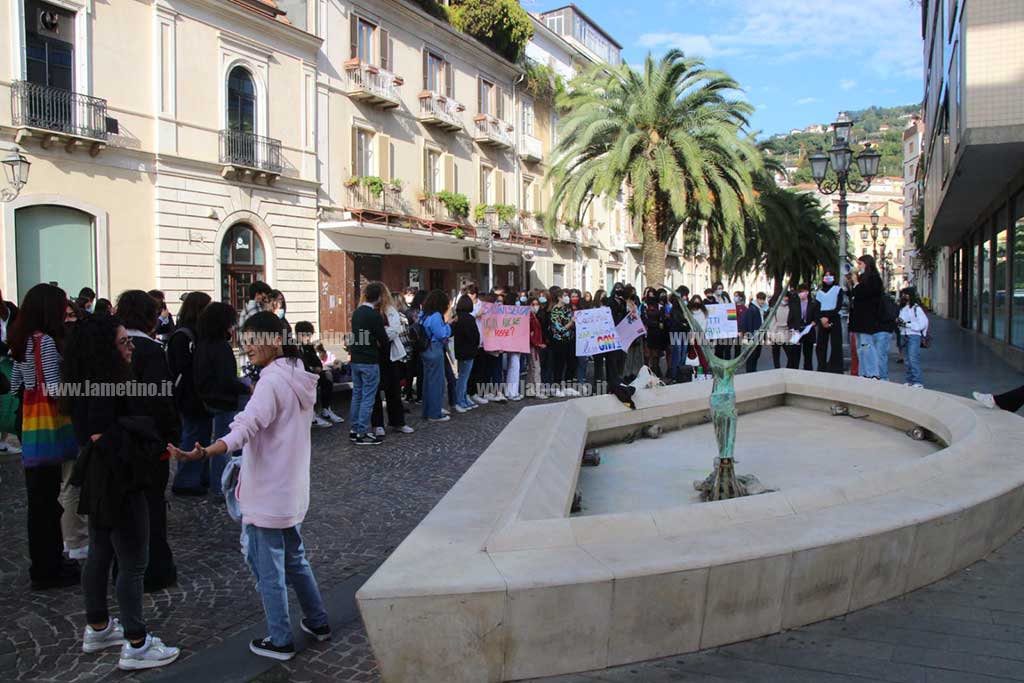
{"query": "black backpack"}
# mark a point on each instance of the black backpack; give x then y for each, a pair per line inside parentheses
(419, 340)
(888, 310)
(178, 373)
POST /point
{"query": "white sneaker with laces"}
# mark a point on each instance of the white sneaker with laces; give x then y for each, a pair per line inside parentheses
(320, 423)
(405, 429)
(9, 449)
(517, 397)
(445, 412)
(499, 397)
(95, 641)
(987, 400)
(378, 431)
(329, 414)
(152, 654)
(917, 386)
(460, 410)
(479, 400)
(443, 418)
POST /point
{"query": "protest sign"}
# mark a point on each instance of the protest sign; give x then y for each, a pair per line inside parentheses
(595, 332)
(506, 328)
(721, 322)
(629, 328)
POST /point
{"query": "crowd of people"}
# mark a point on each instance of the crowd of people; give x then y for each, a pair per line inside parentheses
(98, 463)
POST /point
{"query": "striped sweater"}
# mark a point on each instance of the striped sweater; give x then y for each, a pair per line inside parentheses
(24, 372)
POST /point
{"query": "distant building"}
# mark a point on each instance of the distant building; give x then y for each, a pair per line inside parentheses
(913, 136)
(883, 128)
(816, 128)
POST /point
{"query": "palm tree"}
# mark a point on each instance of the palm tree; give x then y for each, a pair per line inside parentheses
(669, 133)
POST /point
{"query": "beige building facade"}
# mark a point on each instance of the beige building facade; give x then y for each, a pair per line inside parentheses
(172, 146)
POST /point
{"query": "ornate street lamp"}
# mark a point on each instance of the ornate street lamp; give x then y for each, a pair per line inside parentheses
(840, 158)
(16, 168)
(490, 214)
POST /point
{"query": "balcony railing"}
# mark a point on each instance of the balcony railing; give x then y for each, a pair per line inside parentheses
(492, 131)
(530, 148)
(372, 84)
(388, 201)
(57, 110)
(250, 151)
(440, 111)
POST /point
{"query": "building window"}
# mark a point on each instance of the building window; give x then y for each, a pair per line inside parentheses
(528, 117)
(364, 153)
(435, 73)
(54, 244)
(242, 262)
(558, 275)
(554, 129)
(484, 97)
(999, 277)
(1017, 277)
(432, 182)
(527, 202)
(364, 40)
(985, 289)
(486, 185)
(241, 101)
(556, 24)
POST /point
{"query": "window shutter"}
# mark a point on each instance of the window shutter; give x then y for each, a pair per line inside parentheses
(355, 151)
(425, 75)
(385, 61)
(499, 187)
(449, 81)
(449, 173)
(479, 95)
(426, 170)
(537, 209)
(353, 26)
(384, 156)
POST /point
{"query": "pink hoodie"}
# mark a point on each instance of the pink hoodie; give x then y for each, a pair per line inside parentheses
(273, 433)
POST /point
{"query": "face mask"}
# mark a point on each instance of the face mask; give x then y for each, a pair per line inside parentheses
(535, 308)
(828, 279)
(523, 299)
(861, 268)
(565, 300)
(543, 299)
(575, 300)
(280, 313)
(737, 300)
(763, 305)
(719, 290)
(408, 299)
(89, 308)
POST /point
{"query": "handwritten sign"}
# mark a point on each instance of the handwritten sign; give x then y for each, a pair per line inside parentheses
(721, 322)
(506, 328)
(629, 328)
(595, 332)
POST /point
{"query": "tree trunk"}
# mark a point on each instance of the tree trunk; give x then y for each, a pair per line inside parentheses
(654, 250)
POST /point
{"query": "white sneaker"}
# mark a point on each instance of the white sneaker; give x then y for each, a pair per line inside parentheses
(499, 397)
(558, 393)
(152, 654)
(94, 641)
(517, 397)
(443, 418)
(7, 448)
(460, 410)
(917, 386)
(405, 429)
(329, 414)
(379, 431)
(479, 400)
(987, 400)
(78, 553)
(319, 422)
(445, 412)
(571, 392)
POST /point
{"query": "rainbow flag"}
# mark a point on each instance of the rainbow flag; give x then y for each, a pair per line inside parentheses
(731, 314)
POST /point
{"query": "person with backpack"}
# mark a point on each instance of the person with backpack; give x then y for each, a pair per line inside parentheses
(273, 485)
(191, 478)
(865, 287)
(888, 324)
(913, 322)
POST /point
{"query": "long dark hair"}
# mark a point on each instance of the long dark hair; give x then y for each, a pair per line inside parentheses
(216, 320)
(267, 324)
(139, 310)
(436, 302)
(92, 352)
(191, 306)
(42, 310)
(869, 264)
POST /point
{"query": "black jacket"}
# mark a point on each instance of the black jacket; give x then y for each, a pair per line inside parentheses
(617, 304)
(181, 364)
(467, 336)
(216, 375)
(796, 320)
(149, 363)
(12, 313)
(124, 460)
(752, 320)
(866, 297)
(311, 359)
(368, 336)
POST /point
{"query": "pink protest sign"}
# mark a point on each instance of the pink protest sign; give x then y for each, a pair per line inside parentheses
(506, 328)
(629, 328)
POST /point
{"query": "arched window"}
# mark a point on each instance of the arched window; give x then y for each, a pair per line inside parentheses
(241, 101)
(242, 262)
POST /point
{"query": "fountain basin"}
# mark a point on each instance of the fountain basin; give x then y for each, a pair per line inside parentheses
(499, 583)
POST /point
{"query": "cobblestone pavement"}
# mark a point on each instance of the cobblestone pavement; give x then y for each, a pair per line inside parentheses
(969, 627)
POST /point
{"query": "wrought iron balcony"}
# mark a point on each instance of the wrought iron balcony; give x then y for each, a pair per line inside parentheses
(65, 113)
(360, 196)
(530, 148)
(372, 84)
(247, 154)
(492, 131)
(438, 110)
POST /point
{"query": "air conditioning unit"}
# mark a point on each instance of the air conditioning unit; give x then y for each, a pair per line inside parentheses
(469, 254)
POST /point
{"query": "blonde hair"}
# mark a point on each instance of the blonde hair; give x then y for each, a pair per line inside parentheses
(385, 301)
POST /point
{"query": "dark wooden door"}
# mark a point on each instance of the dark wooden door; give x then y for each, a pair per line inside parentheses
(436, 279)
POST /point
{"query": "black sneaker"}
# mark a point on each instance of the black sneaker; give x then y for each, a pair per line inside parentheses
(321, 633)
(352, 436)
(264, 648)
(368, 440)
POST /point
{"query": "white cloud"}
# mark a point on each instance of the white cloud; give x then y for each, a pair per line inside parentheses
(807, 100)
(847, 84)
(790, 30)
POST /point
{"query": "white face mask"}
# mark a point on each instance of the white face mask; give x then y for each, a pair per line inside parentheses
(565, 301)
(535, 308)
(828, 279)
(408, 298)
(280, 313)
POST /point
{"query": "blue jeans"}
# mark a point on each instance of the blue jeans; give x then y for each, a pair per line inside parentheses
(433, 380)
(677, 355)
(581, 369)
(465, 368)
(912, 357)
(882, 342)
(196, 473)
(867, 361)
(365, 381)
(221, 426)
(278, 559)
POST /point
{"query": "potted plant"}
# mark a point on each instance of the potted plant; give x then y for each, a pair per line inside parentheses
(456, 203)
(374, 184)
(396, 185)
(459, 233)
(352, 181)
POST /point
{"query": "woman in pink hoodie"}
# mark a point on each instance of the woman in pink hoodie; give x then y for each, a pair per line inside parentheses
(273, 485)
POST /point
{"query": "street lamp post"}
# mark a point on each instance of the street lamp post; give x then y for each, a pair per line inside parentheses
(16, 168)
(840, 157)
(490, 216)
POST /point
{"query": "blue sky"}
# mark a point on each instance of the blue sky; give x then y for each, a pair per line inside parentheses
(799, 61)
